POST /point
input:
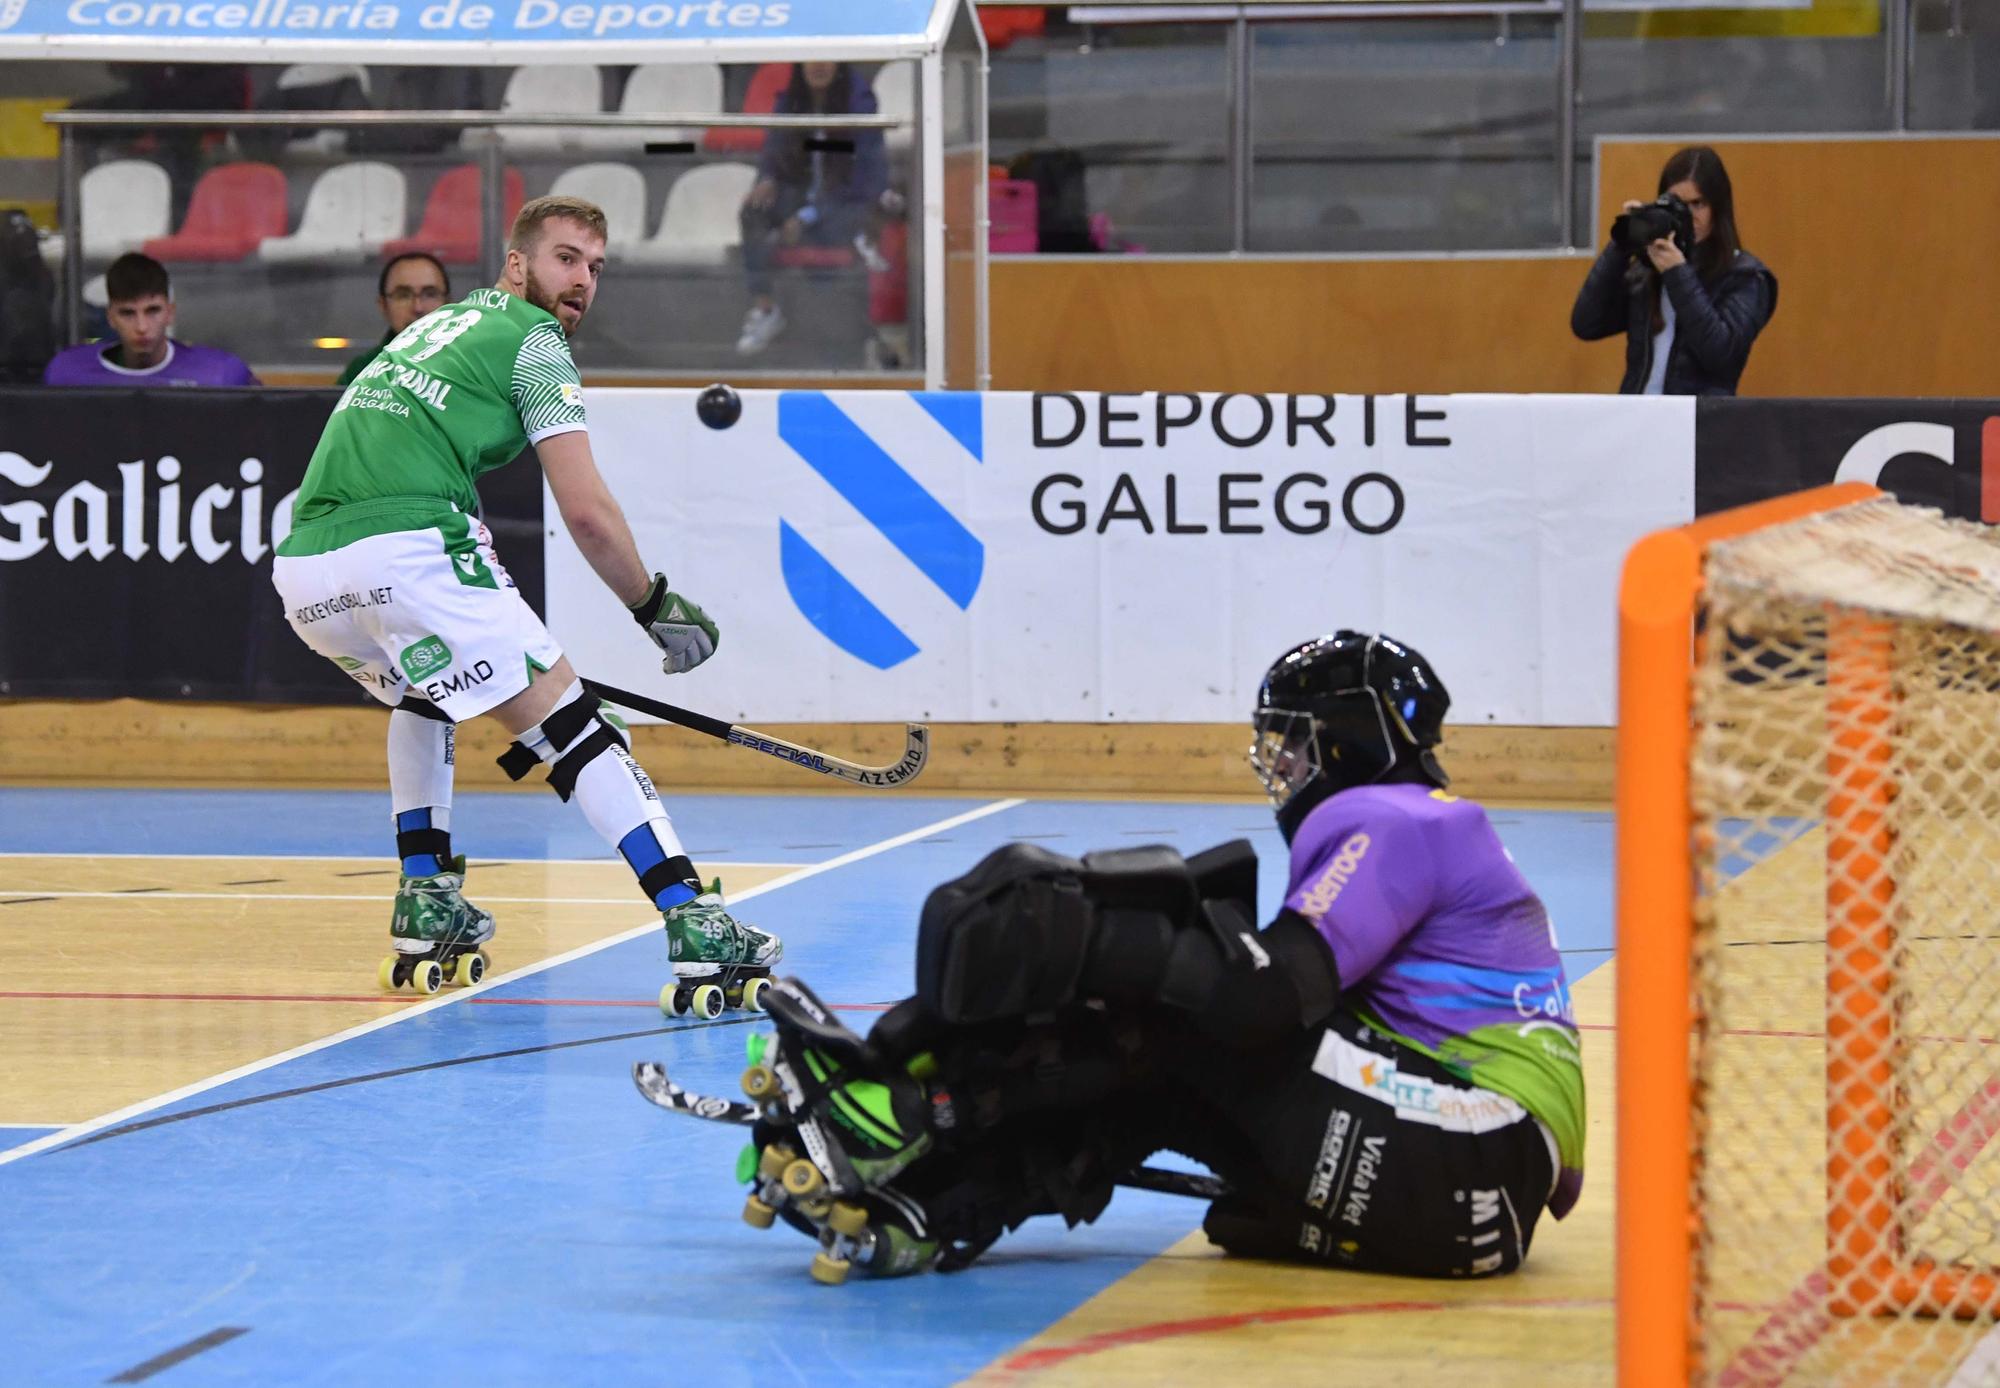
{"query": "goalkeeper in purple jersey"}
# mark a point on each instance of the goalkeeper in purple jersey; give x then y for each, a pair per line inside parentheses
(1386, 1076)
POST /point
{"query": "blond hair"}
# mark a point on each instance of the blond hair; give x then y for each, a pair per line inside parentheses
(528, 222)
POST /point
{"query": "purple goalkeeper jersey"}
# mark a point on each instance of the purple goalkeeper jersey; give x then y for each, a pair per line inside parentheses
(184, 365)
(1443, 945)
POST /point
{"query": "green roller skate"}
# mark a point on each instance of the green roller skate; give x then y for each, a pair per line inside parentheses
(830, 1142)
(718, 960)
(437, 934)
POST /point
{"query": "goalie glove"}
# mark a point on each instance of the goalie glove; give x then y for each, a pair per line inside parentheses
(676, 626)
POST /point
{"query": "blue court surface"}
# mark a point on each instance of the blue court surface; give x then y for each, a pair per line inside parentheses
(476, 1193)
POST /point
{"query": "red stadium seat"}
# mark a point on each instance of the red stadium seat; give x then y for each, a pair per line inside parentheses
(762, 99)
(450, 228)
(233, 209)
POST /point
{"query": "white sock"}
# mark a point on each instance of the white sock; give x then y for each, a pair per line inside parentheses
(618, 799)
(421, 755)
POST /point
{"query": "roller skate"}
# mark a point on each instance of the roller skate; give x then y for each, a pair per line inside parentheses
(437, 934)
(829, 1142)
(718, 960)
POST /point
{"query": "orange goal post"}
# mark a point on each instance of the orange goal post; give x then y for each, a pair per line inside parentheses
(1808, 953)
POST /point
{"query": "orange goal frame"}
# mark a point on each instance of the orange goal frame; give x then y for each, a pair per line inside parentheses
(1658, 596)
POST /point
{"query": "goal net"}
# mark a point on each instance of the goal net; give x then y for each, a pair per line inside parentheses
(1841, 1028)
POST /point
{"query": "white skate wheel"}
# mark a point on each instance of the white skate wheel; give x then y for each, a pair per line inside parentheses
(386, 975)
(469, 969)
(673, 1001)
(753, 993)
(707, 1001)
(427, 976)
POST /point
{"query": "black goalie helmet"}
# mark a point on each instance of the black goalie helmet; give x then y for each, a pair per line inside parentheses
(1345, 710)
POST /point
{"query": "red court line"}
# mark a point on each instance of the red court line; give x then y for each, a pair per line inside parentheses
(1801, 1320)
(383, 997)
(1035, 1360)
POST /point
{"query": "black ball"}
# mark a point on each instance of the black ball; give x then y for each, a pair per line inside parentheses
(719, 407)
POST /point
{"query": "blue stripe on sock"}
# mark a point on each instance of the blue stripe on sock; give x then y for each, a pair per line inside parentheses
(677, 894)
(410, 820)
(642, 851)
(422, 865)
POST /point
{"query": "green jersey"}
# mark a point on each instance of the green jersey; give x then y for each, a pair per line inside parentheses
(459, 392)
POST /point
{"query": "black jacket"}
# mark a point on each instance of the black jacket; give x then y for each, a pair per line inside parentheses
(1714, 324)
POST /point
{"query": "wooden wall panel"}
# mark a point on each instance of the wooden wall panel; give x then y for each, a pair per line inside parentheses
(1150, 323)
(134, 742)
(1883, 249)
(1881, 246)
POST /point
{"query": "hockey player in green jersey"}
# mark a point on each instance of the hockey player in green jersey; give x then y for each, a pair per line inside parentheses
(388, 573)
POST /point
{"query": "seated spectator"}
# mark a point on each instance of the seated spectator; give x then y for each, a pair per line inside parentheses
(145, 353)
(807, 194)
(410, 286)
(1688, 320)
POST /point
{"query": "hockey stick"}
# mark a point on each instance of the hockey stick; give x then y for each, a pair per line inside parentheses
(650, 1077)
(916, 741)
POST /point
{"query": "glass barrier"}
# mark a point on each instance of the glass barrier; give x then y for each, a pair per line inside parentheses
(1121, 130)
(772, 240)
(1403, 136)
(1328, 134)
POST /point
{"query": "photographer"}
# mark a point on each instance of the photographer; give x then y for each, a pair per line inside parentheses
(1677, 282)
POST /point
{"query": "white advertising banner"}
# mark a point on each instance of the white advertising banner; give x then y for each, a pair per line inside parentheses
(883, 555)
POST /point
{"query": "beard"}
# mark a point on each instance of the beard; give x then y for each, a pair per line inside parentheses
(546, 300)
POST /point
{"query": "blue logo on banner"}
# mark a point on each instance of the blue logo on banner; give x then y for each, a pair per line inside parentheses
(891, 500)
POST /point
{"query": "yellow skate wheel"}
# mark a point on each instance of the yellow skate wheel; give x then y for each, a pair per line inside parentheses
(468, 969)
(757, 1214)
(847, 1219)
(386, 975)
(803, 1181)
(760, 1082)
(829, 1271)
(427, 977)
(673, 1001)
(707, 1001)
(753, 994)
(772, 1161)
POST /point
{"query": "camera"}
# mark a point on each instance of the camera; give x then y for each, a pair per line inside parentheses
(1665, 216)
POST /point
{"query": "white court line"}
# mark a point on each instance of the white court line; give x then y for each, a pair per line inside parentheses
(117, 1116)
(1981, 1368)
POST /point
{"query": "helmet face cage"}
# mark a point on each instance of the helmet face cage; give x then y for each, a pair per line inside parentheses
(1284, 752)
(1287, 751)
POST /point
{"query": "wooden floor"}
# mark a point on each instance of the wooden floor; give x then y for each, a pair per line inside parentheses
(127, 977)
(1194, 1316)
(124, 978)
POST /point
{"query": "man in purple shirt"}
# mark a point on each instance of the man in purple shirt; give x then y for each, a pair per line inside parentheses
(145, 353)
(1385, 1077)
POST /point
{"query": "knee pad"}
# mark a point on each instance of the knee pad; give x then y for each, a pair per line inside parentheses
(580, 733)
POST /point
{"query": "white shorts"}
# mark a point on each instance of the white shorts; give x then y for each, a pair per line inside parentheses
(410, 613)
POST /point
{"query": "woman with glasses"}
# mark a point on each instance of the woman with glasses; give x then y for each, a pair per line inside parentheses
(411, 285)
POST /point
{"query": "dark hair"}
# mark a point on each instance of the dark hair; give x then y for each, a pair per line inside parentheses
(134, 276)
(382, 280)
(1702, 166)
(839, 91)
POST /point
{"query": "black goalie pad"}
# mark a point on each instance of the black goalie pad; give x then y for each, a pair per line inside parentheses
(1006, 939)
